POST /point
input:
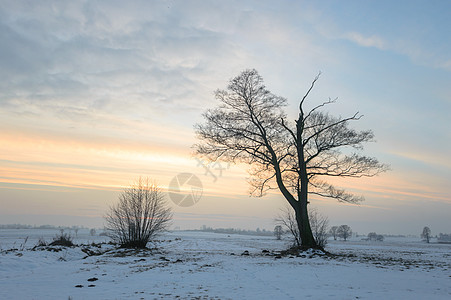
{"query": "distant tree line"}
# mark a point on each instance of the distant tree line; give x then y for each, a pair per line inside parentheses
(26, 226)
(444, 238)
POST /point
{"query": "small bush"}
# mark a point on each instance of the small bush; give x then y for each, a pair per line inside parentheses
(141, 214)
(63, 239)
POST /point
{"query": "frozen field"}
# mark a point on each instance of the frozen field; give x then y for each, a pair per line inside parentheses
(198, 265)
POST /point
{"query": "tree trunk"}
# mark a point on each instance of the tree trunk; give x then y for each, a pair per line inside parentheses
(305, 231)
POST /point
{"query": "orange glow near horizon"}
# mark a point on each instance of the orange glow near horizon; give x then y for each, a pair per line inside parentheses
(37, 162)
(58, 162)
(51, 173)
(43, 161)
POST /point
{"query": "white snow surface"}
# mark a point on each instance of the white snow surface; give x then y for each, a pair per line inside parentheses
(200, 265)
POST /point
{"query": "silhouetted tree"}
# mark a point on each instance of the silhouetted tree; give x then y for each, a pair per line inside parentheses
(333, 232)
(251, 126)
(426, 234)
(278, 231)
(140, 215)
(344, 231)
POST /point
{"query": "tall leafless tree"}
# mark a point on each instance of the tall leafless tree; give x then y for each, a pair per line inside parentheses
(251, 126)
(140, 215)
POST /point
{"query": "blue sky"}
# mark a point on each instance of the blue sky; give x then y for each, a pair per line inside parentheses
(96, 93)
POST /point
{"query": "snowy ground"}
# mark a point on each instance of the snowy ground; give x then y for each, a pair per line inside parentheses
(198, 265)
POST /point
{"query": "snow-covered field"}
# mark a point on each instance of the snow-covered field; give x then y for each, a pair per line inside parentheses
(199, 265)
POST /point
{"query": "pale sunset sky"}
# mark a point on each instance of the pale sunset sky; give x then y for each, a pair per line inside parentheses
(94, 94)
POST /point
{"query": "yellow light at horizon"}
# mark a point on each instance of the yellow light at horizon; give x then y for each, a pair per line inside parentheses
(35, 160)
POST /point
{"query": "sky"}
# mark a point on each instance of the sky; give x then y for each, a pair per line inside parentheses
(95, 94)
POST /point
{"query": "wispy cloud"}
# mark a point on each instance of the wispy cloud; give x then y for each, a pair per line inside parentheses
(366, 41)
(108, 58)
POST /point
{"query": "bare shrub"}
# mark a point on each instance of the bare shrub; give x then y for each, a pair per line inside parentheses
(287, 219)
(64, 239)
(41, 242)
(318, 223)
(141, 214)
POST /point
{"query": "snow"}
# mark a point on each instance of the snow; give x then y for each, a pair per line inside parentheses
(199, 265)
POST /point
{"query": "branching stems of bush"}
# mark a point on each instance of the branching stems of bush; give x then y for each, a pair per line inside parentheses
(141, 214)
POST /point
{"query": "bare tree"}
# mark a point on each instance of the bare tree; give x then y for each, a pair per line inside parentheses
(250, 126)
(426, 234)
(140, 215)
(278, 231)
(333, 232)
(344, 231)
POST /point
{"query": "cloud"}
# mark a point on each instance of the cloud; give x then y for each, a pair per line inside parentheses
(440, 160)
(108, 58)
(418, 52)
(366, 41)
(102, 68)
